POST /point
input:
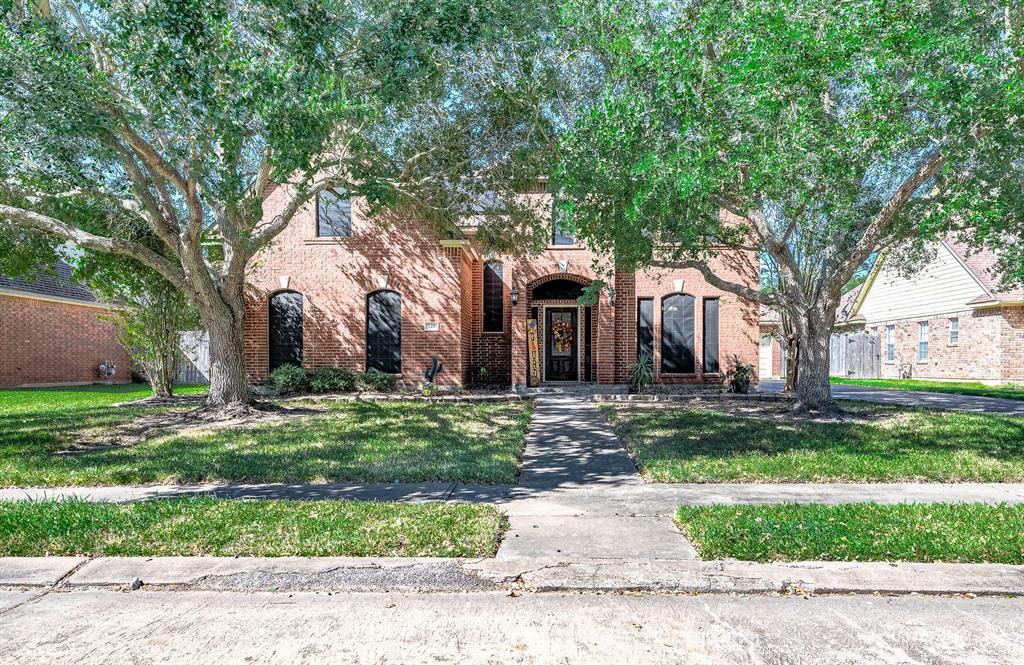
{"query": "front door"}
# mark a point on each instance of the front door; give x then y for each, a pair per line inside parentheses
(561, 344)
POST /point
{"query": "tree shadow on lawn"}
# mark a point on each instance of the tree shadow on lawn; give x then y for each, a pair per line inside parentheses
(385, 442)
(902, 444)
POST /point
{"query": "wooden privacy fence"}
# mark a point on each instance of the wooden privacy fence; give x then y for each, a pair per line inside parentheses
(857, 355)
(194, 363)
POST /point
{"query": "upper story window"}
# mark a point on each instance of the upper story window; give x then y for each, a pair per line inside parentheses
(559, 230)
(494, 297)
(922, 340)
(333, 214)
(954, 330)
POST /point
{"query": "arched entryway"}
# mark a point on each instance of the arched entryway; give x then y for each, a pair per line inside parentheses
(561, 351)
(284, 342)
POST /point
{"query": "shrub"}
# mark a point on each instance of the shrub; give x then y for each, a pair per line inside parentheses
(641, 374)
(289, 379)
(379, 381)
(333, 379)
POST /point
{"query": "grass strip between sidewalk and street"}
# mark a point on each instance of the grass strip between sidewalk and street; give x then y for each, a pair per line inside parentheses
(222, 527)
(1005, 391)
(948, 532)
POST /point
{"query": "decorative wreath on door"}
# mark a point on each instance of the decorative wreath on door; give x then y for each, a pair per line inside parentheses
(561, 333)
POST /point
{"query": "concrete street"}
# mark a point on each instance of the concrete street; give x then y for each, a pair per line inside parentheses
(221, 627)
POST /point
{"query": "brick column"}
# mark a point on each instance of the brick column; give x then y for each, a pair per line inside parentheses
(625, 324)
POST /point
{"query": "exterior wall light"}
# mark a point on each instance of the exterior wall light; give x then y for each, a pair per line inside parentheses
(515, 295)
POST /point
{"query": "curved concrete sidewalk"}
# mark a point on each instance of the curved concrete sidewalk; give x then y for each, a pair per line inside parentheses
(927, 400)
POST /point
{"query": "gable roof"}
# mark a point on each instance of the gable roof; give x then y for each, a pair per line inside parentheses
(981, 264)
(57, 284)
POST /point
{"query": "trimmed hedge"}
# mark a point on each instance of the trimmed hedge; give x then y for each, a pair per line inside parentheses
(291, 379)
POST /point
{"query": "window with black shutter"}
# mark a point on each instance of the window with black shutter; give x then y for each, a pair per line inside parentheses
(494, 297)
(677, 334)
(333, 214)
(384, 332)
(285, 329)
(711, 364)
(645, 327)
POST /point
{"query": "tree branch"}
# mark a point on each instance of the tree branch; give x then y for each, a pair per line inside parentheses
(714, 280)
(144, 255)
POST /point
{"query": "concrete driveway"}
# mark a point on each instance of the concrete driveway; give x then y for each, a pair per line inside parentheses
(942, 401)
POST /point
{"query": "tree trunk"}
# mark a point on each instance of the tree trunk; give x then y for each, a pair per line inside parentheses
(161, 377)
(228, 383)
(792, 364)
(813, 392)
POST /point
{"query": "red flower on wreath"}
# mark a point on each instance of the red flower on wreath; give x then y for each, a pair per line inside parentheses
(561, 333)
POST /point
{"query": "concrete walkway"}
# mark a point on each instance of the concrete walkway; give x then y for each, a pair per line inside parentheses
(943, 401)
(573, 456)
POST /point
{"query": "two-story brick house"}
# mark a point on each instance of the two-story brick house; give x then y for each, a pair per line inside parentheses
(337, 288)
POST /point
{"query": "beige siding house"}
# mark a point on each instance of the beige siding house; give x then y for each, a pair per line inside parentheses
(947, 321)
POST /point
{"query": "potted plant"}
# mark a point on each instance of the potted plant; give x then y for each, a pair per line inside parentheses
(739, 376)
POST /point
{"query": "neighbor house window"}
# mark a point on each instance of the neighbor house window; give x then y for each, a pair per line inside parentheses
(890, 342)
(677, 334)
(954, 330)
(384, 332)
(645, 327)
(922, 340)
(711, 336)
(494, 297)
(333, 214)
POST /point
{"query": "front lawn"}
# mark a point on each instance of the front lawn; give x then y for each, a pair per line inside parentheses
(354, 441)
(963, 533)
(684, 443)
(218, 527)
(1007, 391)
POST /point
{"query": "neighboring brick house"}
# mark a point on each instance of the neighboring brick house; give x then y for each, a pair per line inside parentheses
(339, 289)
(51, 334)
(947, 321)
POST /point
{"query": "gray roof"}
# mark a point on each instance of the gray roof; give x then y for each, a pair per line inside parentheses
(55, 284)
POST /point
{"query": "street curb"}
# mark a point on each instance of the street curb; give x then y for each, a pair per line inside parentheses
(426, 574)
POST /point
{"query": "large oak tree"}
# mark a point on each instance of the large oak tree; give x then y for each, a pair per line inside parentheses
(170, 119)
(813, 132)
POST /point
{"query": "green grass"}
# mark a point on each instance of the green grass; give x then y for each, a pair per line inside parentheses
(965, 533)
(1007, 391)
(355, 441)
(684, 444)
(219, 527)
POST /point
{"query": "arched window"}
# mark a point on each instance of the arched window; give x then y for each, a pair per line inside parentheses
(677, 334)
(494, 297)
(285, 330)
(384, 332)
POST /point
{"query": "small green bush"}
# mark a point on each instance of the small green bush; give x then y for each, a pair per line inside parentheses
(289, 379)
(333, 379)
(379, 381)
(641, 374)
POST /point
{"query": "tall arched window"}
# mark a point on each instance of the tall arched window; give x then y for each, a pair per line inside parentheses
(384, 332)
(285, 330)
(677, 334)
(494, 297)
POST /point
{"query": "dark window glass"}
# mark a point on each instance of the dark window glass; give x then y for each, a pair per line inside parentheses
(558, 289)
(285, 329)
(384, 332)
(494, 297)
(645, 327)
(333, 214)
(558, 227)
(711, 365)
(677, 334)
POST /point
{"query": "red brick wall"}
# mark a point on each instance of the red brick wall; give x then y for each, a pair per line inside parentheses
(446, 285)
(336, 274)
(977, 355)
(47, 342)
(1012, 342)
